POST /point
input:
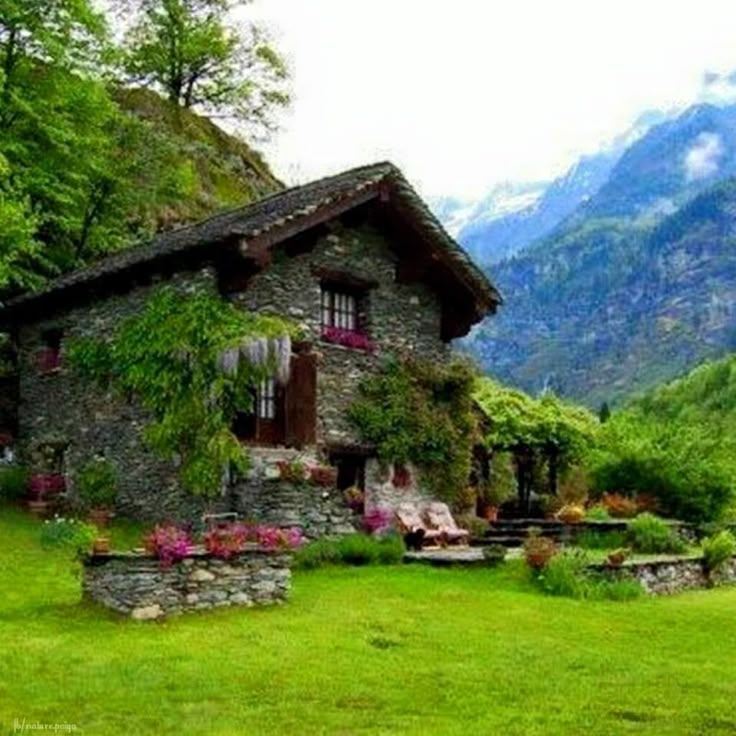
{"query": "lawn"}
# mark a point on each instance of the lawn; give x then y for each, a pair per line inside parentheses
(410, 650)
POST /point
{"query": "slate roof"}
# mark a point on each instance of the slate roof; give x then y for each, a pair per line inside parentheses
(275, 211)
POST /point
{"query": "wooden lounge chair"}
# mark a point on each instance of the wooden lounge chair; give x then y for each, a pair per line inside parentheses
(439, 518)
(412, 527)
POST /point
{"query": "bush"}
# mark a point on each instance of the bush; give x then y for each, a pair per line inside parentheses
(574, 486)
(96, 484)
(538, 550)
(69, 534)
(651, 535)
(494, 554)
(590, 539)
(353, 549)
(718, 550)
(619, 506)
(13, 483)
(474, 524)
(597, 513)
(565, 575)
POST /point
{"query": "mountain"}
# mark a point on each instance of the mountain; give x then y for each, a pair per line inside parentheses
(638, 283)
(513, 215)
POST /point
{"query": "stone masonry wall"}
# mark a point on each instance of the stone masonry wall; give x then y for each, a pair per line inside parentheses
(401, 318)
(136, 585)
(60, 405)
(664, 577)
(264, 497)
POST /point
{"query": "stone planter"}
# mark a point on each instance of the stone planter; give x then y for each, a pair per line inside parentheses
(136, 584)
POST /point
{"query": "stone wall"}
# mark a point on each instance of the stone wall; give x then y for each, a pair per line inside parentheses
(403, 318)
(62, 407)
(137, 585)
(664, 577)
(264, 497)
(400, 318)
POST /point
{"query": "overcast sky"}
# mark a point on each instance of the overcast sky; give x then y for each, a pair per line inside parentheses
(467, 93)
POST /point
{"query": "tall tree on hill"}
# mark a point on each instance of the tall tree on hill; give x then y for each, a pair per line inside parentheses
(191, 51)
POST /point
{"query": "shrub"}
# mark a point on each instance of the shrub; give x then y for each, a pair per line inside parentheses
(619, 506)
(96, 484)
(13, 483)
(494, 554)
(293, 472)
(352, 549)
(574, 486)
(591, 539)
(565, 575)
(718, 550)
(474, 524)
(316, 554)
(571, 514)
(538, 550)
(651, 535)
(598, 512)
(69, 534)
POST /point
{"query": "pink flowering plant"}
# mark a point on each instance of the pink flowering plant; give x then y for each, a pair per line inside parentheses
(348, 338)
(169, 543)
(273, 538)
(377, 521)
(227, 540)
(46, 484)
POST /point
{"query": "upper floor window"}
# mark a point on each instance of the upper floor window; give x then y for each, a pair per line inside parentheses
(49, 356)
(339, 309)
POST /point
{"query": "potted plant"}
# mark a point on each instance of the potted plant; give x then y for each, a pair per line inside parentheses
(323, 475)
(43, 486)
(618, 557)
(571, 514)
(355, 499)
(500, 487)
(96, 486)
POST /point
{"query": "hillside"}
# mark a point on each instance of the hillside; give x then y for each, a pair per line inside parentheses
(637, 285)
(224, 170)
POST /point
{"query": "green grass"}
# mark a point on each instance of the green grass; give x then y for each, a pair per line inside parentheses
(374, 650)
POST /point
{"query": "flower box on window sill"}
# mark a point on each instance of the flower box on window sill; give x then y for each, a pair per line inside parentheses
(48, 361)
(348, 339)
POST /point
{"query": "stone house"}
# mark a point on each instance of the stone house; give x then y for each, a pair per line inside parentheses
(357, 259)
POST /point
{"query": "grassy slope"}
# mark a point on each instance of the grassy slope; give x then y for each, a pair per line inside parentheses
(226, 171)
(380, 651)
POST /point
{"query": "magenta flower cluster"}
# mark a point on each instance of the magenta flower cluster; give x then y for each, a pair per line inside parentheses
(348, 338)
(172, 543)
(43, 484)
(377, 520)
(169, 543)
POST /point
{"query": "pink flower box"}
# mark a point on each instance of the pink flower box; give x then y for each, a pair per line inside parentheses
(348, 339)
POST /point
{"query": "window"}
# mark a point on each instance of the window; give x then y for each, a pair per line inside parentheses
(49, 357)
(339, 309)
(266, 399)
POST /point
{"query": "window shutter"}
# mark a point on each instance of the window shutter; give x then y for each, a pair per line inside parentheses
(301, 401)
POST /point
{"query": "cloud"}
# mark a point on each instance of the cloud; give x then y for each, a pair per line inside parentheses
(701, 160)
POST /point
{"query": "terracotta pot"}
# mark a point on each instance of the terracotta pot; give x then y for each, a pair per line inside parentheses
(490, 513)
(38, 508)
(100, 518)
(101, 546)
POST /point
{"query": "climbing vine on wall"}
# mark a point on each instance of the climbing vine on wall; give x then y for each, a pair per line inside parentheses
(421, 412)
(191, 361)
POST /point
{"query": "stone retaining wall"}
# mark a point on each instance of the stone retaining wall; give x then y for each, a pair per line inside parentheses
(137, 585)
(663, 577)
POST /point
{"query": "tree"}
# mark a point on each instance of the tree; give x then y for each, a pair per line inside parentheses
(188, 50)
(604, 413)
(67, 34)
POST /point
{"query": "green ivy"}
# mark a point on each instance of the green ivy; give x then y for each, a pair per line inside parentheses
(170, 358)
(422, 413)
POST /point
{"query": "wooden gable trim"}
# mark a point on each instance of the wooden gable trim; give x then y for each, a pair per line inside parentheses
(254, 246)
(331, 277)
